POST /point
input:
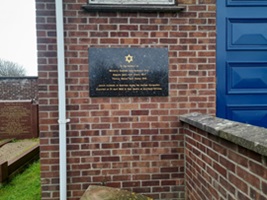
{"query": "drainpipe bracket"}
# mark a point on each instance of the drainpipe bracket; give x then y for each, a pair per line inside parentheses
(64, 121)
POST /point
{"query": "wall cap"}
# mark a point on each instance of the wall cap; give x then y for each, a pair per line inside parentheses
(18, 77)
(132, 8)
(248, 136)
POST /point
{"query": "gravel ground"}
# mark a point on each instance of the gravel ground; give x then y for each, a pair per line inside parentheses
(13, 149)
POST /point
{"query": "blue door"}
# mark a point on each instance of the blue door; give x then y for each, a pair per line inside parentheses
(242, 61)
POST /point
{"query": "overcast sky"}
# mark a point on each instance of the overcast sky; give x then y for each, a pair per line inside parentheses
(17, 33)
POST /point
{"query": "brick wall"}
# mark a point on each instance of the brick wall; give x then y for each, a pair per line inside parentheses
(130, 143)
(219, 169)
(18, 88)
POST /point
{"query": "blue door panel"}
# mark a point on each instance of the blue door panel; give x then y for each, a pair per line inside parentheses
(241, 59)
(240, 80)
(248, 114)
(246, 2)
(247, 34)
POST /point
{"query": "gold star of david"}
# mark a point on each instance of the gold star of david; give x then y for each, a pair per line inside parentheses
(129, 58)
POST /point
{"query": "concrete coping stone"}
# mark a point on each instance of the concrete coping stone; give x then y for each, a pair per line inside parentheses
(248, 136)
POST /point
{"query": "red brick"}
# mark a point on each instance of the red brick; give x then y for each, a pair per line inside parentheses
(248, 177)
(237, 158)
(140, 112)
(110, 159)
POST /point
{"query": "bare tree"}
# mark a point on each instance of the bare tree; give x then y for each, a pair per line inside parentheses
(11, 69)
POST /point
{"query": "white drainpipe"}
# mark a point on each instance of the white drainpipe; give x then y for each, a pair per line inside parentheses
(61, 101)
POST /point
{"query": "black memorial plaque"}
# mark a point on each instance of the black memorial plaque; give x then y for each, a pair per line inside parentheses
(117, 72)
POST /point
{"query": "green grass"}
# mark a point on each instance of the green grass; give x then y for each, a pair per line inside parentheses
(24, 186)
